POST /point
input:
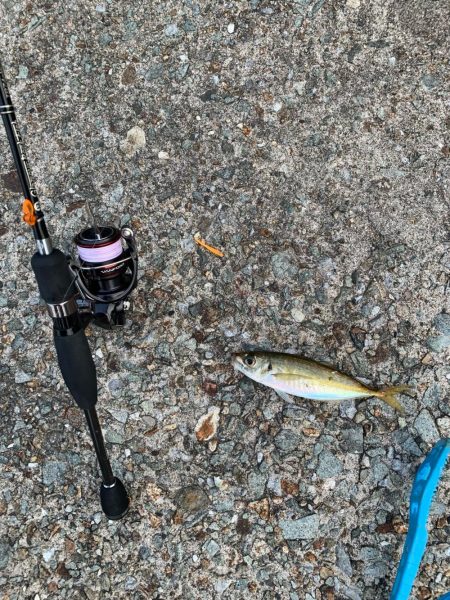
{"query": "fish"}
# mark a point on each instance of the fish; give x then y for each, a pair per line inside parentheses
(293, 375)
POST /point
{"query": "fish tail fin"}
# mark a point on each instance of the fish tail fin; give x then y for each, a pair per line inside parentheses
(389, 395)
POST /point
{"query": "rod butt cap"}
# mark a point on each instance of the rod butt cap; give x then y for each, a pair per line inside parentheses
(114, 500)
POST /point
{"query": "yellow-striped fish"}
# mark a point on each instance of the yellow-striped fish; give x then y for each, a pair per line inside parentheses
(290, 374)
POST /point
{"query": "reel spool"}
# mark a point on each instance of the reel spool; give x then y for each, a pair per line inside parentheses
(106, 273)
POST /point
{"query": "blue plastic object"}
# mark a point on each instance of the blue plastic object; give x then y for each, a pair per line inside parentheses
(424, 486)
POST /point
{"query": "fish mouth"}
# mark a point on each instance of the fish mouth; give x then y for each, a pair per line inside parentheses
(236, 361)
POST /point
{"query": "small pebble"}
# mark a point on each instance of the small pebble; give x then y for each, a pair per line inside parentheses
(171, 30)
(23, 72)
(191, 499)
(306, 528)
(211, 548)
(135, 141)
(53, 472)
(426, 427)
(329, 466)
(277, 106)
(48, 554)
(21, 377)
(444, 426)
(298, 315)
(287, 440)
(442, 323)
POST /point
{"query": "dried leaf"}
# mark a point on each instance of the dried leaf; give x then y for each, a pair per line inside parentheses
(201, 242)
(206, 427)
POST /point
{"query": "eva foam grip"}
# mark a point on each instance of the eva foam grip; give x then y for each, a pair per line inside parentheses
(77, 368)
(55, 281)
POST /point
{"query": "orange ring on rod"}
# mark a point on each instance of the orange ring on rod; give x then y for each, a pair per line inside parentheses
(29, 215)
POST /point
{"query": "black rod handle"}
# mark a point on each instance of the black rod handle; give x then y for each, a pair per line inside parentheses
(57, 287)
(55, 281)
(77, 367)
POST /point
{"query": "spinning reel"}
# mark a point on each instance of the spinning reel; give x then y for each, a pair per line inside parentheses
(105, 275)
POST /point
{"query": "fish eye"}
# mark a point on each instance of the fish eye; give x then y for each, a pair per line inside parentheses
(249, 360)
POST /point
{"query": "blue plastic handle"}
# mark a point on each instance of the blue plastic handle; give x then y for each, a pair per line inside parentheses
(424, 486)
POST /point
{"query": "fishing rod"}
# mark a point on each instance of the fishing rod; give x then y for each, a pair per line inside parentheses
(94, 288)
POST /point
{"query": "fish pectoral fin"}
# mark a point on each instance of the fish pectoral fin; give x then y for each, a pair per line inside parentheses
(285, 397)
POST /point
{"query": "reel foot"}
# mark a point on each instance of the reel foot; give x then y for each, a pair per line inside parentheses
(114, 500)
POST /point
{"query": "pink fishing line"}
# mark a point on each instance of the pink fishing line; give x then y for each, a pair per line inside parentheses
(101, 254)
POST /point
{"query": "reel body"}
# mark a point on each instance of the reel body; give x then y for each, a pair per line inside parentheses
(105, 274)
